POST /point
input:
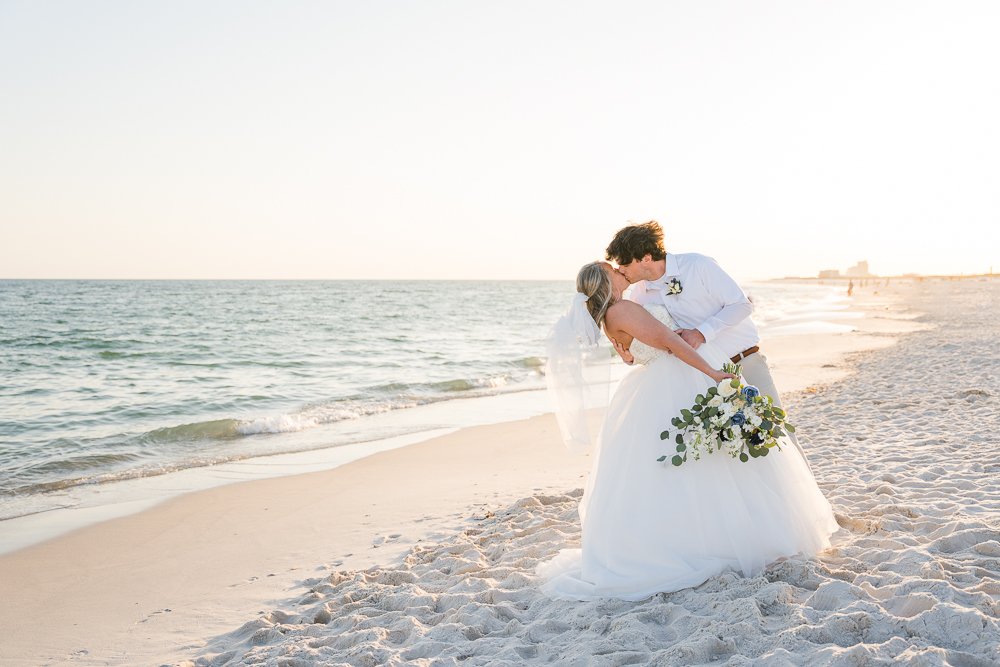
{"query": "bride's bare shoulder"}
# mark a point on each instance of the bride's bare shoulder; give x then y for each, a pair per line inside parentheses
(624, 310)
(624, 306)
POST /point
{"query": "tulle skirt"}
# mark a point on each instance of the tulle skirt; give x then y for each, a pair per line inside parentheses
(652, 527)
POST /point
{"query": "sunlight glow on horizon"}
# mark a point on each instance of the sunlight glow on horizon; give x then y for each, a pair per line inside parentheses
(457, 140)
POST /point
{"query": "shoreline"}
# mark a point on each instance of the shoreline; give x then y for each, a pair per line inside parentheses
(89, 504)
(153, 585)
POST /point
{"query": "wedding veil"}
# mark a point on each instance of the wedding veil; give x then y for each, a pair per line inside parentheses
(577, 373)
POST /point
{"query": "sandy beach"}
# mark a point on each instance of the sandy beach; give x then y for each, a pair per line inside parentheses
(426, 554)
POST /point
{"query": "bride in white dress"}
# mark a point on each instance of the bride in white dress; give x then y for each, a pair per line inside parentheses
(651, 527)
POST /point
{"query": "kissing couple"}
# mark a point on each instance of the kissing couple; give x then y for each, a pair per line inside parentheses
(648, 527)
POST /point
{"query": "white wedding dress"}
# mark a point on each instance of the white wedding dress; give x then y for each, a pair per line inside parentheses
(652, 527)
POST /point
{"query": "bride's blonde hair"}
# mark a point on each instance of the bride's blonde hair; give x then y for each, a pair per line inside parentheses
(596, 285)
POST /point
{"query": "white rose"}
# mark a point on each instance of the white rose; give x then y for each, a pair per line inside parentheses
(726, 388)
(715, 402)
(727, 409)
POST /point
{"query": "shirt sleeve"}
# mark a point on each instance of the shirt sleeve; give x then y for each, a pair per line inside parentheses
(736, 307)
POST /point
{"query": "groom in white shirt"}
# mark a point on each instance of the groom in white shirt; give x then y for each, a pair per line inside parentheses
(706, 303)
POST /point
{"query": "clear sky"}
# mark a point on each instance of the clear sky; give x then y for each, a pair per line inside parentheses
(474, 139)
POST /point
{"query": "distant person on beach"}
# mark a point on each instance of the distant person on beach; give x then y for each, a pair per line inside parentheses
(850, 287)
(649, 527)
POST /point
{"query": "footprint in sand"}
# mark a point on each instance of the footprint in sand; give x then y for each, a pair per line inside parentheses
(382, 539)
(243, 583)
(857, 525)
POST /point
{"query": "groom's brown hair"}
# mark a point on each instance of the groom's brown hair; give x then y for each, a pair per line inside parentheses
(634, 242)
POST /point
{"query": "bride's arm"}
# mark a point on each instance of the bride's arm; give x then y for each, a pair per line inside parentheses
(634, 320)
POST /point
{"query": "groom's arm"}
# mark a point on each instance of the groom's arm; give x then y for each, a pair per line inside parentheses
(736, 306)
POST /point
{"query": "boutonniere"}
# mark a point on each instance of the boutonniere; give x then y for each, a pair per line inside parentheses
(674, 286)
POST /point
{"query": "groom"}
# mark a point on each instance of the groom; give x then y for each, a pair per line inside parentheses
(703, 300)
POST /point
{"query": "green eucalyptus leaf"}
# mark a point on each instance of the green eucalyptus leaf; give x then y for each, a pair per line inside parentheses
(662, 458)
(677, 460)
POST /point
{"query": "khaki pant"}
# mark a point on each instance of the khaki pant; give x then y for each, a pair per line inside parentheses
(757, 373)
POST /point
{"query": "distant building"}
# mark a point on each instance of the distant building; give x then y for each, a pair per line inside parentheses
(859, 270)
(829, 273)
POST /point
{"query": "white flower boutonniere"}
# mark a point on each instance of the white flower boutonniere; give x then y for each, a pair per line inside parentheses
(674, 286)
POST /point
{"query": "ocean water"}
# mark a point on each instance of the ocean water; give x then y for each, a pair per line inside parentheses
(103, 381)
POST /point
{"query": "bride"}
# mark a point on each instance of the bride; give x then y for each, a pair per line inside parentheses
(650, 527)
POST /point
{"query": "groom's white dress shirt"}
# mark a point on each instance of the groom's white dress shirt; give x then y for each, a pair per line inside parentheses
(710, 301)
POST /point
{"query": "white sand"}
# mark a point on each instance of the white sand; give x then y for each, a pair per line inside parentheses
(905, 449)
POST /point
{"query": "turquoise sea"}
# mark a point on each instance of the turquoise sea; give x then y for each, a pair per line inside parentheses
(102, 381)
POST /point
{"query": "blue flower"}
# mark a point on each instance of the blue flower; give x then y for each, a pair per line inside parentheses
(750, 392)
(738, 419)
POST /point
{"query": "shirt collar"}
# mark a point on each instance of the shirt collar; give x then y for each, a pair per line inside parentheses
(672, 268)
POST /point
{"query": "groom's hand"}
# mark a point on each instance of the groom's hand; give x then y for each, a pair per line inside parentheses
(692, 337)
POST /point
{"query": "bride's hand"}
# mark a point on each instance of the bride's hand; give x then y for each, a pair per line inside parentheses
(623, 352)
(719, 376)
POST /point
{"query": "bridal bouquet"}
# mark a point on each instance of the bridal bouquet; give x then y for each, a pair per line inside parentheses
(733, 417)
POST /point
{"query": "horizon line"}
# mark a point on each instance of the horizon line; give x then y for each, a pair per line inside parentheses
(903, 276)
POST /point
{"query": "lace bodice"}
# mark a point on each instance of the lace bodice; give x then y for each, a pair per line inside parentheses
(643, 353)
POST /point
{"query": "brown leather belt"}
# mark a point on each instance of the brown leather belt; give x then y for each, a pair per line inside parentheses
(744, 354)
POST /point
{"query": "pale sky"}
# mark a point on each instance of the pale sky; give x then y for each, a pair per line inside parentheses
(495, 140)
